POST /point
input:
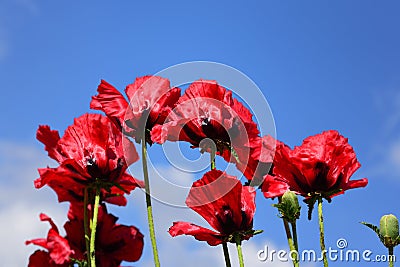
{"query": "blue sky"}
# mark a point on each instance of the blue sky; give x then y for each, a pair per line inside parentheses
(325, 65)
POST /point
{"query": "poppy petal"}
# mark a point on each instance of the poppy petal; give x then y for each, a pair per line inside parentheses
(198, 232)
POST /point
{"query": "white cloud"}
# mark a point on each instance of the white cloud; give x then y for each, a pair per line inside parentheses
(21, 203)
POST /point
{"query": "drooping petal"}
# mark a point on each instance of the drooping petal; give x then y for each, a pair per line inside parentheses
(198, 232)
(356, 184)
(57, 246)
(50, 140)
(67, 184)
(273, 187)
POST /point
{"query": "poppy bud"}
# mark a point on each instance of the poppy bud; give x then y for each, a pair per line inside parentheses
(389, 230)
(289, 206)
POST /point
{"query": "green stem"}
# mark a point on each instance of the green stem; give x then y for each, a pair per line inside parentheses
(226, 254)
(148, 203)
(93, 226)
(239, 250)
(294, 231)
(391, 263)
(290, 239)
(321, 232)
(85, 223)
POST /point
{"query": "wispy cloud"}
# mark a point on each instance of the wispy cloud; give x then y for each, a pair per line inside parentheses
(385, 147)
(387, 104)
(21, 203)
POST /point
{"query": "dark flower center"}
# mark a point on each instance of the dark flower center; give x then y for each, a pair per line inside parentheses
(321, 179)
(92, 168)
(225, 219)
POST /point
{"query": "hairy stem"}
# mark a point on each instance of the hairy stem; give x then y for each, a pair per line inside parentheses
(239, 251)
(289, 237)
(294, 231)
(322, 232)
(86, 223)
(148, 203)
(93, 227)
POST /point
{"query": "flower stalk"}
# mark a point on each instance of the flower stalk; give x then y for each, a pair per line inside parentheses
(239, 250)
(86, 223)
(93, 227)
(289, 210)
(294, 231)
(322, 232)
(290, 241)
(391, 255)
(148, 202)
(226, 254)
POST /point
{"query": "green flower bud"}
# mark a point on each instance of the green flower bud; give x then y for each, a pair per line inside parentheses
(289, 206)
(291, 199)
(389, 230)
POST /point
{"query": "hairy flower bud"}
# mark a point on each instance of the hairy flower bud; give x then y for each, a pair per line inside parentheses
(389, 230)
(289, 206)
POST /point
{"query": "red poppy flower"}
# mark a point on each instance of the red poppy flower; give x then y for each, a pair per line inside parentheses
(322, 166)
(92, 150)
(58, 250)
(225, 204)
(114, 242)
(150, 100)
(208, 110)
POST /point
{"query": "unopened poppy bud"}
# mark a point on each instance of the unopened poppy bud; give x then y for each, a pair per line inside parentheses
(291, 199)
(289, 206)
(389, 230)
